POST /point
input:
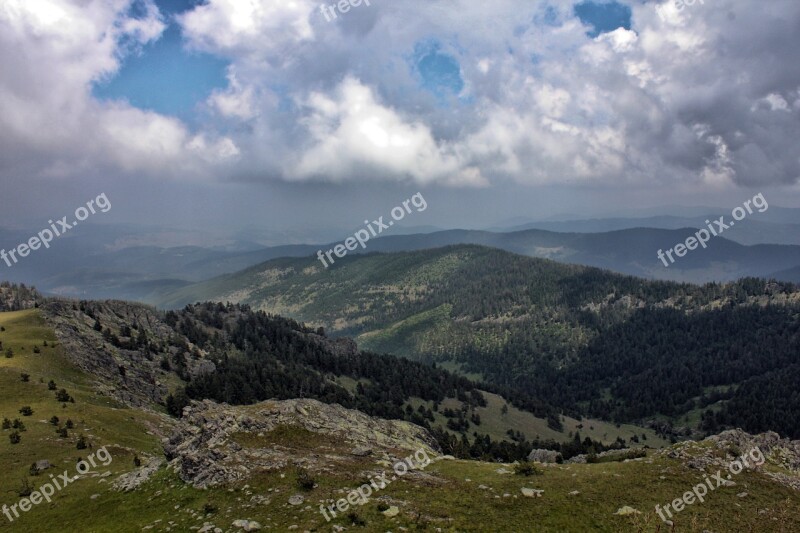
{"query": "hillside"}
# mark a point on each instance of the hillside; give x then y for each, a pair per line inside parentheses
(98, 266)
(271, 465)
(582, 339)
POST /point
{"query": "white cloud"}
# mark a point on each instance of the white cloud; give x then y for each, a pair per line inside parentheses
(354, 136)
(269, 28)
(314, 100)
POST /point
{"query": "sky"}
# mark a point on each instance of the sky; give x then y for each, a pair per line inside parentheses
(224, 114)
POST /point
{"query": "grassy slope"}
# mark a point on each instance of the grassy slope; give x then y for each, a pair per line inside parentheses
(496, 424)
(166, 502)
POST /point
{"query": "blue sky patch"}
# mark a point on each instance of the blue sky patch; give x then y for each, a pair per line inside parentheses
(163, 76)
(604, 17)
(440, 72)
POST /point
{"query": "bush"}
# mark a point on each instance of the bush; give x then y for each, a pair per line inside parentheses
(527, 469)
(36, 349)
(63, 396)
(69, 424)
(14, 438)
(304, 480)
(18, 424)
(54, 420)
(136, 461)
(382, 506)
(25, 490)
(209, 508)
(25, 377)
(33, 470)
(9, 353)
(355, 519)
(62, 432)
(51, 385)
(6, 423)
(81, 444)
(26, 410)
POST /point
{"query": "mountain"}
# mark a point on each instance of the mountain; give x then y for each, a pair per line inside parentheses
(585, 340)
(750, 233)
(109, 263)
(85, 388)
(631, 251)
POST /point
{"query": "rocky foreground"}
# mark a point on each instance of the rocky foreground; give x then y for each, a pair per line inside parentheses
(205, 449)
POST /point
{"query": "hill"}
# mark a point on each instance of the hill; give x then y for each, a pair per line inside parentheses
(585, 340)
(279, 464)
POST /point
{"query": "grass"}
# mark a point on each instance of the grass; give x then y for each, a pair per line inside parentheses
(447, 495)
(496, 424)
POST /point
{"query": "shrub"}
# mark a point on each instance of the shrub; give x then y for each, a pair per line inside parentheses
(25, 377)
(69, 424)
(136, 461)
(527, 469)
(54, 420)
(26, 410)
(36, 349)
(9, 353)
(6, 423)
(382, 506)
(63, 396)
(14, 438)
(51, 385)
(18, 424)
(62, 432)
(81, 444)
(25, 490)
(209, 508)
(33, 470)
(355, 519)
(304, 480)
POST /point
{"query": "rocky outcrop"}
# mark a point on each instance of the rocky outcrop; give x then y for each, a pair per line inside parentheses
(729, 445)
(133, 480)
(131, 374)
(544, 456)
(18, 297)
(204, 453)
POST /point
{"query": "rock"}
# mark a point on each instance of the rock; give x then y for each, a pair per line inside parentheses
(199, 449)
(247, 525)
(574, 493)
(544, 456)
(503, 471)
(42, 464)
(206, 528)
(627, 511)
(297, 499)
(136, 478)
(531, 493)
(362, 451)
(94, 496)
(391, 511)
(742, 495)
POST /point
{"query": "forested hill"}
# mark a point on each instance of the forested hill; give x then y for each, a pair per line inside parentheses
(580, 338)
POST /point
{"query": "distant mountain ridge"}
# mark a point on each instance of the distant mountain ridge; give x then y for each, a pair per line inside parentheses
(584, 339)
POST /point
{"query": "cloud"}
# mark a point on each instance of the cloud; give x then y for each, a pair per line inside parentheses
(51, 127)
(705, 96)
(354, 136)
